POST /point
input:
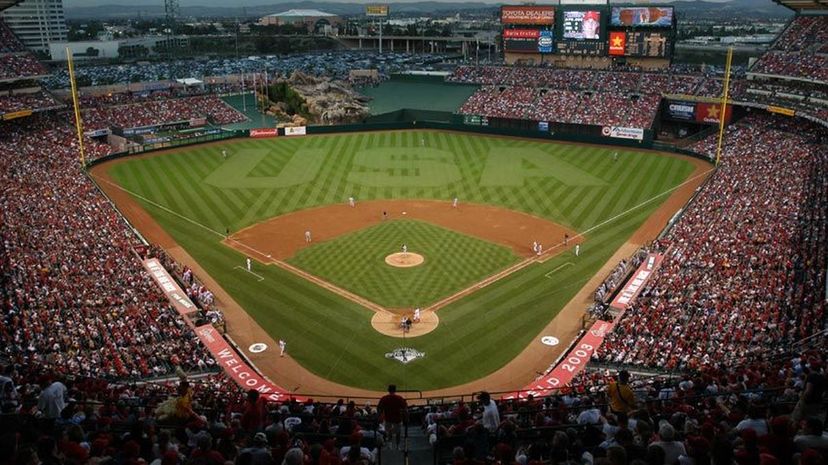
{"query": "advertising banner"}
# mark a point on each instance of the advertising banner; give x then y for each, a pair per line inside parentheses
(653, 16)
(296, 131)
(16, 114)
(264, 132)
(169, 287)
(781, 110)
(527, 15)
(521, 40)
(543, 126)
(236, 367)
(98, 132)
(546, 42)
(198, 122)
(623, 133)
(710, 113)
(574, 362)
(617, 43)
(636, 283)
(684, 111)
(376, 11)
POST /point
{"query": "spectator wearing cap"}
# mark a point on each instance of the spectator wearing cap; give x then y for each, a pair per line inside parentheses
(258, 450)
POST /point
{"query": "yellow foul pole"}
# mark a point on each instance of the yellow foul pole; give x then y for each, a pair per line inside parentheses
(723, 108)
(76, 104)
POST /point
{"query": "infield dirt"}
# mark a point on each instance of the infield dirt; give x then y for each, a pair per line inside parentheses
(288, 373)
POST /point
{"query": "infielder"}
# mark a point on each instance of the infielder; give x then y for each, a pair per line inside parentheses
(454, 202)
(535, 246)
(540, 249)
(577, 249)
(351, 202)
(282, 347)
(307, 236)
(248, 264)
(417, 315)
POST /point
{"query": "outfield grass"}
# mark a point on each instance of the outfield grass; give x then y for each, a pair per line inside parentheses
(356, 262)
(575, 185)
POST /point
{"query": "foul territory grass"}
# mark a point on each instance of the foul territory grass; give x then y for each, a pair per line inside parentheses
(575, 185)
(356, 262)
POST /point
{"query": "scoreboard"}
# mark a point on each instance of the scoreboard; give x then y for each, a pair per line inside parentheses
(582, 47)
(639, 44)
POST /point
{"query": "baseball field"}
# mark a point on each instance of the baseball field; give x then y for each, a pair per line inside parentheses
(485, 290)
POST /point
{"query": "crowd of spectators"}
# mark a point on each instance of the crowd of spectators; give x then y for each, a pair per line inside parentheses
(74, 293)
(563, 106)
(11, 101)
(160, 111)
(8, 41)
(20, 65)
(799, 51)
(744, 268)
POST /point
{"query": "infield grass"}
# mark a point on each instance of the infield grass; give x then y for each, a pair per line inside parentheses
(576, 185)
(356, 262)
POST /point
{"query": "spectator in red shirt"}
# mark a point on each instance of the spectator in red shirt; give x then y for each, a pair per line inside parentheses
(394, 409)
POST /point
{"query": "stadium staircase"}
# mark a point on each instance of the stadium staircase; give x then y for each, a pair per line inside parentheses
(417, 450)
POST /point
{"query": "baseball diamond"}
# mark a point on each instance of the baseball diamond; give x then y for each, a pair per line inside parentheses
(321, 295)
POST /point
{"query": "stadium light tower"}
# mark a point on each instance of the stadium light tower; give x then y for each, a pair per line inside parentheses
(171, 12)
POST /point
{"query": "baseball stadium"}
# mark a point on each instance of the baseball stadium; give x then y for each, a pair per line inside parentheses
(580, 251)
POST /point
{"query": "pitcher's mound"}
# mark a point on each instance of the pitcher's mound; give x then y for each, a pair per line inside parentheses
(404, 260)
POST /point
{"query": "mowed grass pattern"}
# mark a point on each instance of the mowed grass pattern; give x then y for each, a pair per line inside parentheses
(356, 262)
(478, 334)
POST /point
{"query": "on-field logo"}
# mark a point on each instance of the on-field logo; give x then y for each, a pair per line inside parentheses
(405, 355)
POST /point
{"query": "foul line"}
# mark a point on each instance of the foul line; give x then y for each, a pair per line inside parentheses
(558, 268)
(437, 305)
(245, 269)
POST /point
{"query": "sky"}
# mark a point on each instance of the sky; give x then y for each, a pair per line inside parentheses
(240, 3)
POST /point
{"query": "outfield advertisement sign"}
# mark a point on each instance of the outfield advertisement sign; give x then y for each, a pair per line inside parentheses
(618, 132)
(236, 367)
(296, 131)
(683, 111)
(633, 287)
(528, 15)
(169, 287)
(264, 132)
(710, 113)
(376, 11)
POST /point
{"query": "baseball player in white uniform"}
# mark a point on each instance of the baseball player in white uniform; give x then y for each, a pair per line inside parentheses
(535, 246)
(307, 236)
(249, 264)
(454, 202)
(577, 249)
(282, 347)
(404, 248)
(224, 154)
(417, 315)
(540, 249)
(351, 202)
